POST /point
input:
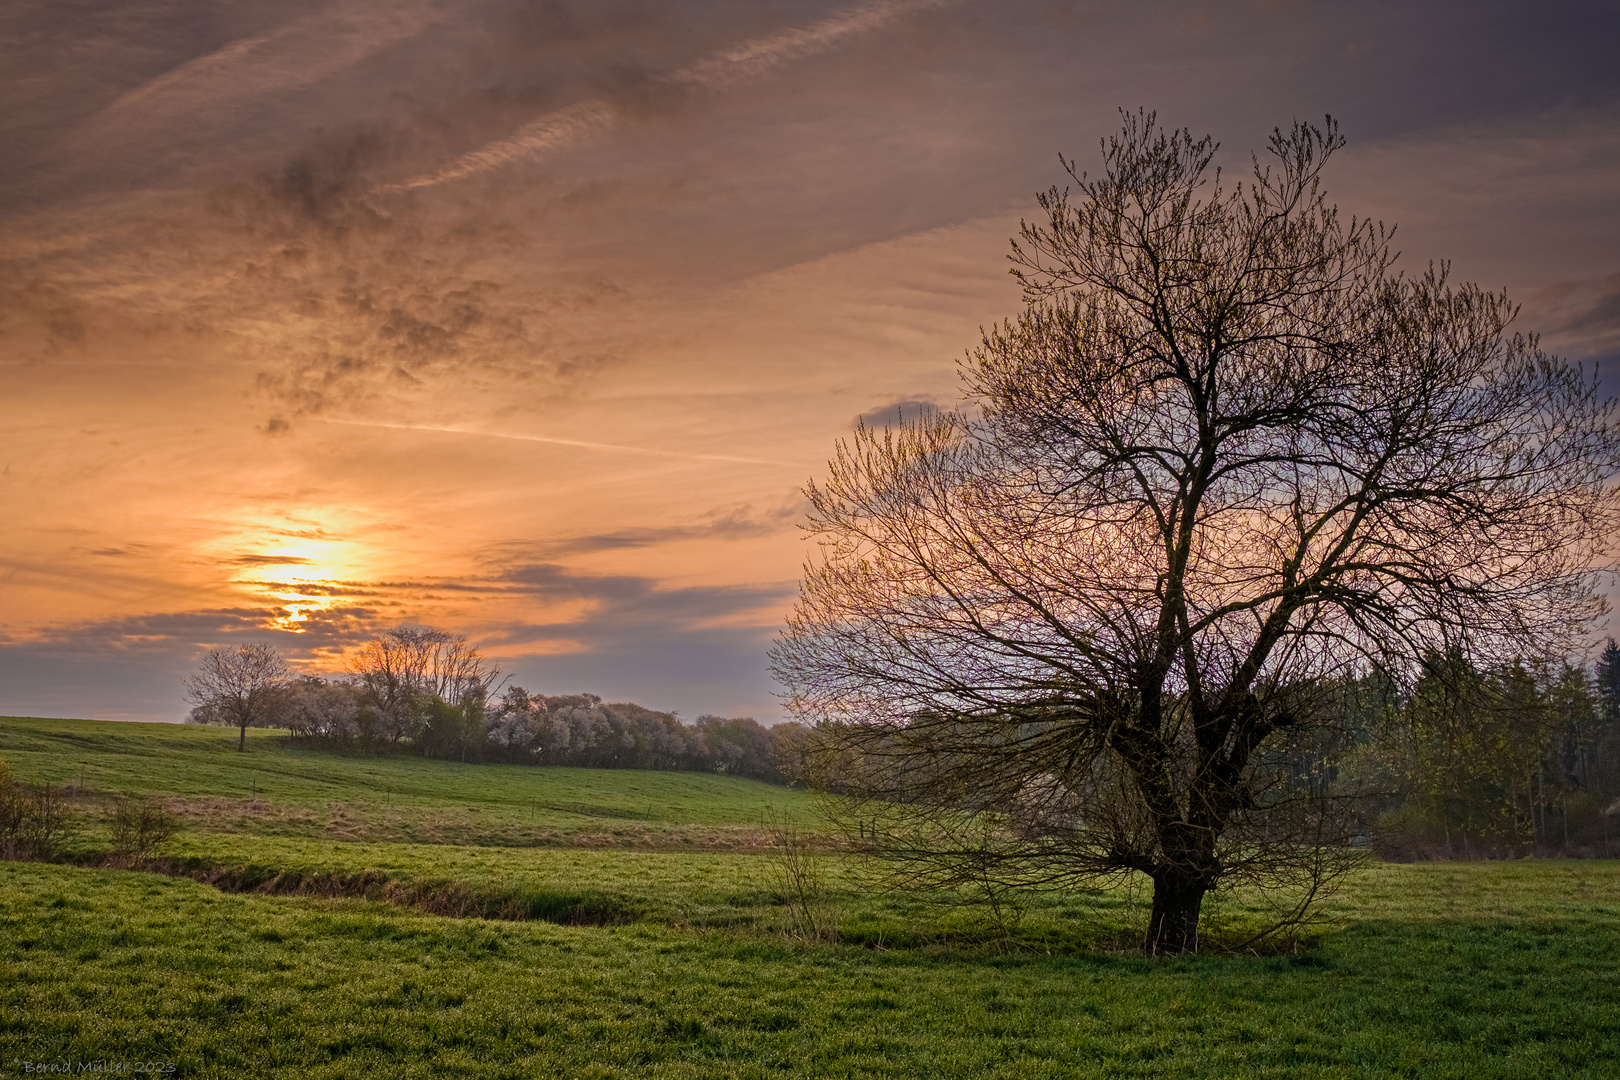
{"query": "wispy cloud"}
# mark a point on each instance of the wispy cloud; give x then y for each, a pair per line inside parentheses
(729, 523)
(246, 71)
(617, 448)
(1579, 317)
(615, 608)
(725, 70)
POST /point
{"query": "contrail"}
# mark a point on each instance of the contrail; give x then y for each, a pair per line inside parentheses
(562, 442)
(749, 61)
(207, 89)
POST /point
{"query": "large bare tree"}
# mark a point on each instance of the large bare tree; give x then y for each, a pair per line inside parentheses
(1095, 623)
(239, 685)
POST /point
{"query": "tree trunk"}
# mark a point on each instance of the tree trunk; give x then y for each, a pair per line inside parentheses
(241, 743)
(1173, 925)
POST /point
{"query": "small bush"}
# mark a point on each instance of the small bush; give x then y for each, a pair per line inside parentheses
(33, 822)
(139, 825)
(11, 806)
(810, 913)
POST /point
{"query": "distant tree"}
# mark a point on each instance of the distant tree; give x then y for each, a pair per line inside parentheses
(741, 746)
(793, 754)
(1460, 751)
(581, 729)
(238, 685)
(452, 731)
(330, 710)
(1579, 777)
(1098, 623)
(405, 669)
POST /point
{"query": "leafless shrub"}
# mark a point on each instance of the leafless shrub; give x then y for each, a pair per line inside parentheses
(140, 825)
(33, 821)
(811, 913)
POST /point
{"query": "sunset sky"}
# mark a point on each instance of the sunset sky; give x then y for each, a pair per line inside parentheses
(530, 319)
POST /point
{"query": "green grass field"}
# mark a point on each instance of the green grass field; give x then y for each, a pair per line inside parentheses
(274, 788)
(1446, 970)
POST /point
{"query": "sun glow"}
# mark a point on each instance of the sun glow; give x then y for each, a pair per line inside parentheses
(304, 577)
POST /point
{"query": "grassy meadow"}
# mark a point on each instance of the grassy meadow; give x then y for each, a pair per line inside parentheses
(274, 788)
(640, 930)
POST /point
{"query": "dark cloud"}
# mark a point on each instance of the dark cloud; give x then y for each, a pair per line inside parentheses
(187, 631)
(270, 131)
(636, 640)
(626, 607)
(134, 668)
(617, 604)
(1597, 311)
(695, 649)
(719, 671)
(895, 413)
(211, 86)
(730, 523)
(308, 588)
(92, 684)
(1579, 319)
(269, 560)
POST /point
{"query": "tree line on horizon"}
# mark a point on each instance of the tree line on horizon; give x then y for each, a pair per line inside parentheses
(1523, 759)
(426, 691)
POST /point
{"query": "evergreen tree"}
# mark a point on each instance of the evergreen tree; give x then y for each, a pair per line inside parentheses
(1608, 682)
